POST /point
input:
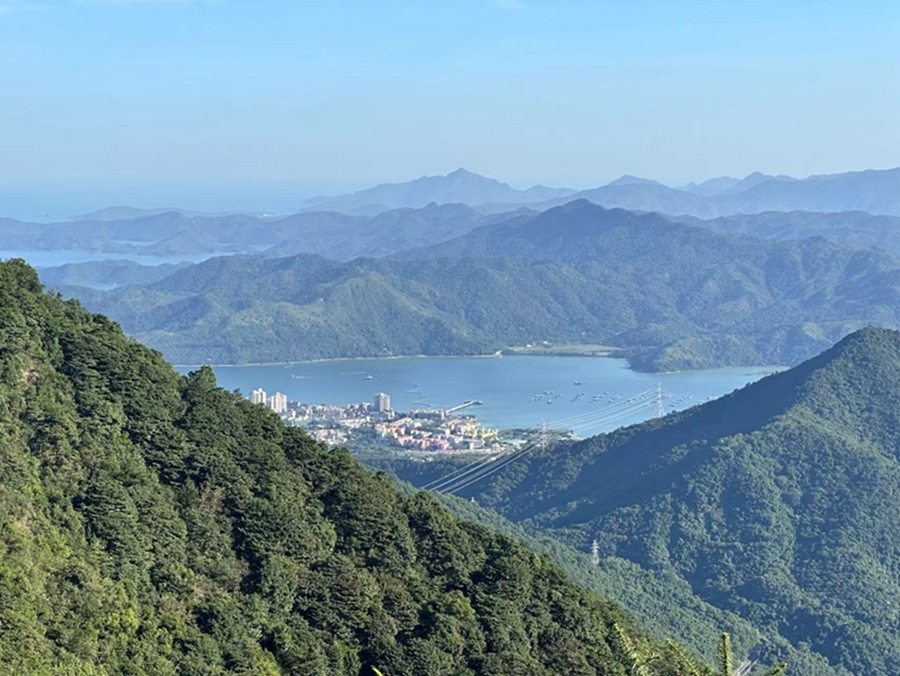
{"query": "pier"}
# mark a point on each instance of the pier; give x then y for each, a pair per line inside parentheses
(465, 404)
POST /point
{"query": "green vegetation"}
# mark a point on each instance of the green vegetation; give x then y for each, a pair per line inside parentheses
(776, 503)
(669, 295)
(661, 602)
(156, 524)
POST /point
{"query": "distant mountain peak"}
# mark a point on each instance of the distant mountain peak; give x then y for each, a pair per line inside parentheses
(463, 172)
(628, 179)
(755, 179)
(581, 204)
(712, 186)
(122, 213)
(756, 174)
(458, 187)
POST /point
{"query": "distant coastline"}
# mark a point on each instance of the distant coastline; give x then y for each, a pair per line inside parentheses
(598, 351)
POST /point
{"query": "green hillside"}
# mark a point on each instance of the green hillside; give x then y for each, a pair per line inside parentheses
(661, 602)
(670, 295)
(777, 503)
(154, 524)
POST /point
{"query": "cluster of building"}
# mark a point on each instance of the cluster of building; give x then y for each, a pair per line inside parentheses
(432, 430)
(351, 415)
(435, 431)
(330, 436)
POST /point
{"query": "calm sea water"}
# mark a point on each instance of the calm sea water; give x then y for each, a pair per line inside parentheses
(509, 387)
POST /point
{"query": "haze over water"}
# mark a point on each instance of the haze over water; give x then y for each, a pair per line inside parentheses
(506, 386)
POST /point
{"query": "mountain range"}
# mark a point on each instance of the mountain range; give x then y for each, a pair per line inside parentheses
(334, 235)
(726, 185)
(873, 191)
(670, 295)
(434, 209)
(777, 502)
(855, 227)
(460, 186)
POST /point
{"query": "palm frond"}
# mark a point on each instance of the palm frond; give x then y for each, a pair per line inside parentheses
(725, 663)
(686, 660)
(637, 661)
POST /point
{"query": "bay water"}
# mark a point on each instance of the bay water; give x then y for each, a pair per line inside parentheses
(589, 395)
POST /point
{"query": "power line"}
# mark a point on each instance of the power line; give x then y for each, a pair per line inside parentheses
(624, 414)
(543, 429)
(500, 464)
(557, 424)
(479, 473)
(484, 467)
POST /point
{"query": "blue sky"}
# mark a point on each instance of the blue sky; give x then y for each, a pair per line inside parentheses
(339, 94)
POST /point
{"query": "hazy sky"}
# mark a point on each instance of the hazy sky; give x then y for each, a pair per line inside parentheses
(345, 93)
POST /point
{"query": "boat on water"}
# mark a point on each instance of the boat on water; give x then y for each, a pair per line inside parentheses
(369, 377)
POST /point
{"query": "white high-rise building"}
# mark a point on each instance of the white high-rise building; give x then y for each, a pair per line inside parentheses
(259, 397)
(278, 402)
(382, 402)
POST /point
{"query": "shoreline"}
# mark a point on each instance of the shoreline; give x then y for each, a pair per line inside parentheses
(494, 355)
(341, 359)
(768, 369)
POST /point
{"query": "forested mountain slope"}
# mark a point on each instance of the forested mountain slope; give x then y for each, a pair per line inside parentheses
(855, 227)
(155, 524)
(671, 295)
(777, 502)
(334, 235)
(660, 602)
(106, 274)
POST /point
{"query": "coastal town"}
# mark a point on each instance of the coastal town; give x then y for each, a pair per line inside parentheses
(377, 424)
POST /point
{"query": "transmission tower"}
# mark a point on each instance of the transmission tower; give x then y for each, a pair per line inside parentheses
(595, 553)
(660, 409)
